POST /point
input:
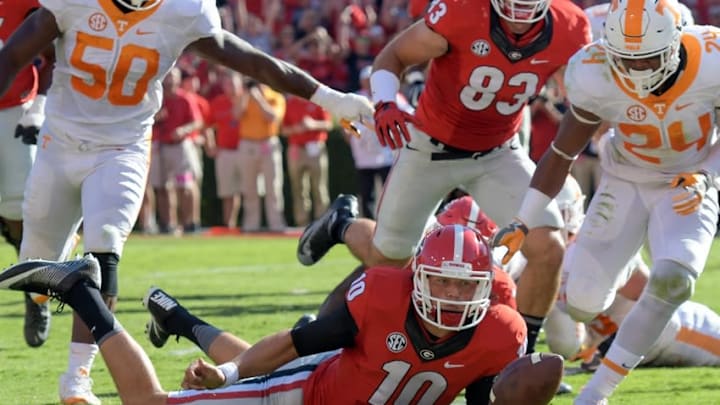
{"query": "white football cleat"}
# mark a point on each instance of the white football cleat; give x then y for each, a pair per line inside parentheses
(76, 389)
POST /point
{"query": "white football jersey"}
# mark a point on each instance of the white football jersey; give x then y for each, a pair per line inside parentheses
(107, 82)
(655, 136)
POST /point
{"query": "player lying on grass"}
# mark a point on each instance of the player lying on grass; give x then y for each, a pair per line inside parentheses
(399, 332)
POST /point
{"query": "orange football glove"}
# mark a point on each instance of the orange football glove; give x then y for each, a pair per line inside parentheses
(512, 237)
(695, 186)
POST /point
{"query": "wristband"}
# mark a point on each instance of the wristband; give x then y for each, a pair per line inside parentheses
(384, 86)
(230, 371)
(532, 207)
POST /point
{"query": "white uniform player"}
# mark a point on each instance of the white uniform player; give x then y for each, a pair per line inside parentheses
(94, 148)
(658, 84)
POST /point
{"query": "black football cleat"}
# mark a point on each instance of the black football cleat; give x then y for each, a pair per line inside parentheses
(317, 238)
(160, 305)
(51, 278)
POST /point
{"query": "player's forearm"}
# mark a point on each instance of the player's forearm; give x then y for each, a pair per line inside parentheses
(266, 355)
(242, 57)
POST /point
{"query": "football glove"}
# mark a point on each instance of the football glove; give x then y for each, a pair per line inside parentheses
(695, 186)
(391, 124)
(29, 124)
(351, 107)
(511, 237)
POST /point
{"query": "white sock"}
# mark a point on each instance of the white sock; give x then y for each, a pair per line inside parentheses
(81, 357)
(614, 368)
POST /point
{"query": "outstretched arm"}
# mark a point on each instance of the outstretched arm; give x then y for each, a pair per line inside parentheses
(34, 35)
(231, 51)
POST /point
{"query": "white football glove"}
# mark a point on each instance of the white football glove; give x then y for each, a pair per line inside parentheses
(351, 107)
(29, 124)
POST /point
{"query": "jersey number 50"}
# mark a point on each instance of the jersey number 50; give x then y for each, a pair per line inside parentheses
(114, 89)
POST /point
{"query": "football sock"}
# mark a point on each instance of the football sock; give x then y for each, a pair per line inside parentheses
(534, 324)
(612, 370)
(90, 306)
(189, 326)
(81, 356)
(644, 324)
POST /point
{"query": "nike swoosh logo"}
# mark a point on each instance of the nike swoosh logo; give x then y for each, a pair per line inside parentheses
(626, 366)
(538, 61)
(682, 106)
(451, 365)
(141, 32)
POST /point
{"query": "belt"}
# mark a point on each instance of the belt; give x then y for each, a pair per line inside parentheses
(452, 153)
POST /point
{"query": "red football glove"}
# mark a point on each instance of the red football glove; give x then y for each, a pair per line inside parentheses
(391, 124)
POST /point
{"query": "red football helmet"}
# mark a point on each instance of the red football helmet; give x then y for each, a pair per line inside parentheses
(521, 11)
(465, 211)
(454, 260)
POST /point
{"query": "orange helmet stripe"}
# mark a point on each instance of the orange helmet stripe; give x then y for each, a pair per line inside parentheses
(634, 12)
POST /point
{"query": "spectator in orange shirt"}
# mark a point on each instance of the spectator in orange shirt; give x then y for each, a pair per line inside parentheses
(261, 154)
(306, 126)
(175, 162)
(225, 110)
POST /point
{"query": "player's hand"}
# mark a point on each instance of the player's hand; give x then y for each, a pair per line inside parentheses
(391, 124)
(511, 237)
(351, 107)
(694, 185)
(29, 125)
(201, 375)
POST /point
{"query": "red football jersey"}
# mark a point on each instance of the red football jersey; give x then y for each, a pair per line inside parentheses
(504, 289)
(24, 87)
(395, 361)
(475, 93)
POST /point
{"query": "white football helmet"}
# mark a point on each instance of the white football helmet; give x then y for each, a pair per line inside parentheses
(521, 11)
(571, 201)
(139, 5)
(643, 29)
(457, 255)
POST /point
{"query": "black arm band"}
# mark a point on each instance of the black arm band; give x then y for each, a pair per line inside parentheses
(478, 393)
(335, 330)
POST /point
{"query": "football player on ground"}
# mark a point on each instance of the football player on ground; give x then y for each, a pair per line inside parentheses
(401, 337)
(488, 58)
(657, 82)
(22, 111)
(94, 148)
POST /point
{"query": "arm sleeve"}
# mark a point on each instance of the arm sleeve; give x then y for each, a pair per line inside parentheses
(333, 331)
(478, 393)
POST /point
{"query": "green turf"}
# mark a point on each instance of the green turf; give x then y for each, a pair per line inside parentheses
(252, 287)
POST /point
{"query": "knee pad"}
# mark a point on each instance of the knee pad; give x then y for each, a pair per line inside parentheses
(108, 270)
(671, 282)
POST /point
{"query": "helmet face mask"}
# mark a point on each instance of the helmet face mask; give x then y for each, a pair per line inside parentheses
(452, 278)
(139, 5)
(521, 11)
(642, 41)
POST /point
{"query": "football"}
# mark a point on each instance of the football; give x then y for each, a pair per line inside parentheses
(530, 380)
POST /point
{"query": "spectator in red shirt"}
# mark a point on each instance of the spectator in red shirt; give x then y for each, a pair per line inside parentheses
(306, 125)
(175, 163)
(225, 110)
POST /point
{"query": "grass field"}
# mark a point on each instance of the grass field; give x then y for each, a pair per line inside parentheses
(251, 287)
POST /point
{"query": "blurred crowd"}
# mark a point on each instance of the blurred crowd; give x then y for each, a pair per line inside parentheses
(214, 113)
